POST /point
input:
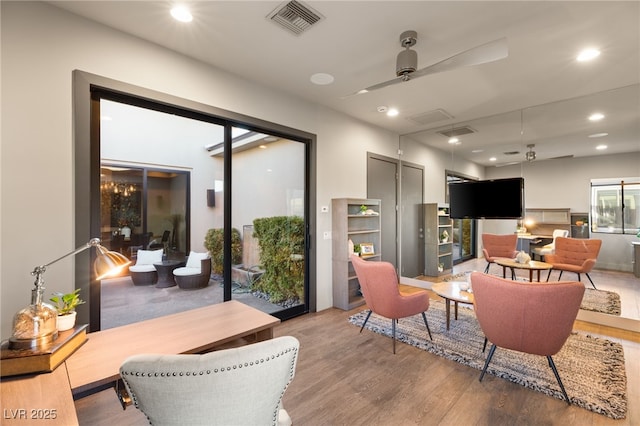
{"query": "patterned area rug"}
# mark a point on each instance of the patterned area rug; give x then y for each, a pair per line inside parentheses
(592, 369)
(606, 302)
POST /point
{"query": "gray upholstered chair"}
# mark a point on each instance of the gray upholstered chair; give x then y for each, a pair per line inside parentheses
(143, 272)
(239, 386)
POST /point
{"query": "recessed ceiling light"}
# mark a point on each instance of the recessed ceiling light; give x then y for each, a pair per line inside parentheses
(598, 135)
(596, 116)
(587, 55)
(601, 147)
(322, 79)
(262, 146)
(477, 151)
(492, 159)
(454, 140)
(182, 14)
(392, 112)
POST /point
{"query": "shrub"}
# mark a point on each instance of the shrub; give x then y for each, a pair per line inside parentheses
(281, 242)
(213, 242)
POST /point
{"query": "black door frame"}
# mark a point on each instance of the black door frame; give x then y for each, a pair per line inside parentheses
(87, 90)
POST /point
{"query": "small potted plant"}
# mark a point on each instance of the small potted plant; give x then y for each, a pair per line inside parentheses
(444, 237)
(65, 304)
(440, 267)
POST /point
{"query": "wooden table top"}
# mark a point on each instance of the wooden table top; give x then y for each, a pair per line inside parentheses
(532, 264)
(451, 290)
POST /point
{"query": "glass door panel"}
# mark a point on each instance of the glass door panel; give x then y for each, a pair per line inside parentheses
(268, 214)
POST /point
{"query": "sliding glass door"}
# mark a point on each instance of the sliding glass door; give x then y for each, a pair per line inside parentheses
(182, 181)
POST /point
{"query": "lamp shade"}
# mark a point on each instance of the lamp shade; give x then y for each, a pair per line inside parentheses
(108, 263)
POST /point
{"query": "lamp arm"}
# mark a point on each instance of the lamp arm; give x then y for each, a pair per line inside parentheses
(39, 270)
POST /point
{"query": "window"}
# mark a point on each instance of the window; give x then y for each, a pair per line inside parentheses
(615, 205)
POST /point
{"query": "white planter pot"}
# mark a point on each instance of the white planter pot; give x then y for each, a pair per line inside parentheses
(66, 322)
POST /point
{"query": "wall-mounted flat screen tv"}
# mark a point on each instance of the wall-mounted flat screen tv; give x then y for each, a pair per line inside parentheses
(487, 199)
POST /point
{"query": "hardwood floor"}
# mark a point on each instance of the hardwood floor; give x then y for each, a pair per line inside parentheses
(347, 378)
(344, 377)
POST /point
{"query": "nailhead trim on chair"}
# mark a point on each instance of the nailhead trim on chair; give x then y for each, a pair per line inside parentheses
(223, 369)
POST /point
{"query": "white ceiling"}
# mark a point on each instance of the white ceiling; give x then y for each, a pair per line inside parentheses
(357, 42)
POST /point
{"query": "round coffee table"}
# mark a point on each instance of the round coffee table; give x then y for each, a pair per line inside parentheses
(165, 272)
(531, 266)
(450, 292)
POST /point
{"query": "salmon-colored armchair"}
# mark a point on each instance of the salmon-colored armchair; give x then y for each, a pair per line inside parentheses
(574, 255)
(495, 246)
(534, 318)
(379, 285)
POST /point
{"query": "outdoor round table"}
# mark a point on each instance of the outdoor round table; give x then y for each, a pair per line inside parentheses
(531, 266)
(165, 272)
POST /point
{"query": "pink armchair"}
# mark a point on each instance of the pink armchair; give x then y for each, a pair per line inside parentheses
(494, 246)
(534, 318)
(574, 255)
(379, 285)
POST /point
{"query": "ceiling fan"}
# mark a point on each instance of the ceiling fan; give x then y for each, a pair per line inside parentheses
(407, 60)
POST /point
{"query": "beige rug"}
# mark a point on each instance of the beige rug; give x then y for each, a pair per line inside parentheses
(592, 369)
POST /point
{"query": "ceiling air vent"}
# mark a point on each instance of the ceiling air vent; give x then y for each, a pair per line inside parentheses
(457, 131)
(295, 16)
(431, 117)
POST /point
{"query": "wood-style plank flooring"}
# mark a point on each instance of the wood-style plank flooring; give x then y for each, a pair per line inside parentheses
(344, 377)
(347, 378)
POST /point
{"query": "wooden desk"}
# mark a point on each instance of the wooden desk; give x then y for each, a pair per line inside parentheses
(96, 364)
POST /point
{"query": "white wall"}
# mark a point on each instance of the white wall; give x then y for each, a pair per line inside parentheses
(41, 46)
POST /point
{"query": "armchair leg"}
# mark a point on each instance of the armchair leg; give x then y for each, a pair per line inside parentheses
(591, 281)
(486, 270)
(549, 274)
(484, 346)
(365, 320)
(560, 276)
(555, 372)
(486, 363)
(424, 317)
(393, 331)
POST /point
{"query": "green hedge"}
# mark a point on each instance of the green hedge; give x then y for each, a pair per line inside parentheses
(213, 241)
(281, 242)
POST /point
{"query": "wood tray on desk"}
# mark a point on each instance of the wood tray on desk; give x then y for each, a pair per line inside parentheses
(14, 362)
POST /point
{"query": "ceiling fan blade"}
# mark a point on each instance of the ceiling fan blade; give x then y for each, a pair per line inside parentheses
(377, 86)
(488, 52)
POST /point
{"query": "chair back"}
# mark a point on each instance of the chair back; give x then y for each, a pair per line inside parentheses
(535, 318)
(379, 285)
(557, 233)
(576, 251)
(239, 386)
(494, 245)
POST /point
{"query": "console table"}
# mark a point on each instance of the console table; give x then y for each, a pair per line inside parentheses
(95, 365)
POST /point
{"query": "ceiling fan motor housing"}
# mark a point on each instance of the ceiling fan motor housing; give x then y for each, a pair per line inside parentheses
(407, 62)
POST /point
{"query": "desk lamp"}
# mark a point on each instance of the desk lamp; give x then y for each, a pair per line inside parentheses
(36, 325)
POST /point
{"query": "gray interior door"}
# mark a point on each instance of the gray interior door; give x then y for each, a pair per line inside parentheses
(382, 183)
(412, 221)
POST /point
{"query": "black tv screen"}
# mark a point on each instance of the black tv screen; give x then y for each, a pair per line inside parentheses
(487, 199)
